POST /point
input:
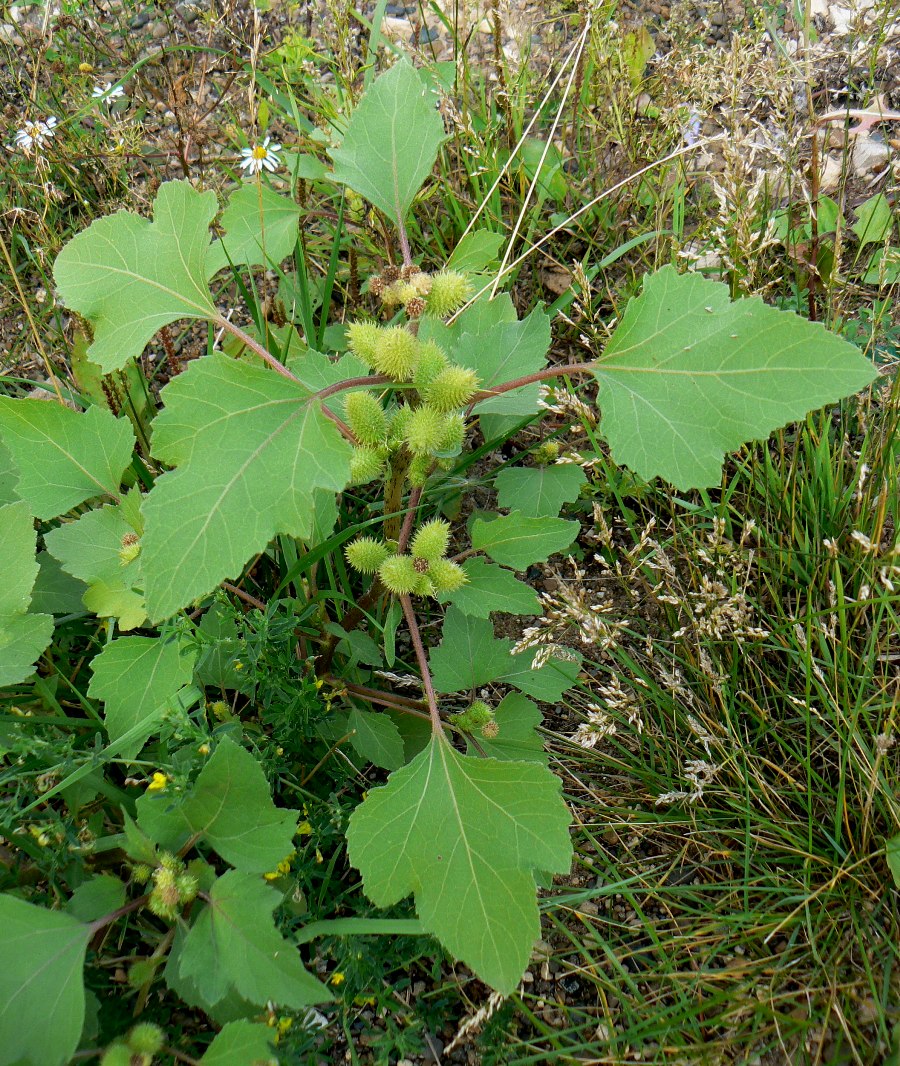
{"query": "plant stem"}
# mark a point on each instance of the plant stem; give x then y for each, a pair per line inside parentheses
(408, 520)
(393, 494)
(530, 379)
(245, 596)
(410, 615)
(351, 383)
(348, 623)
(108, 919)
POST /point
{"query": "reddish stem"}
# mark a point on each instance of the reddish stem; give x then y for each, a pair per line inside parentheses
(351, 383)
(530, 379)
(413, 626)
(408, 520)
(245, 596)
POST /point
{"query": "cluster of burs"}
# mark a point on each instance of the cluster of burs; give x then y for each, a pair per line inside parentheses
(422, 427)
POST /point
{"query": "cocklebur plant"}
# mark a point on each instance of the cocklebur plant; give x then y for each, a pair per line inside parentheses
(251, 447)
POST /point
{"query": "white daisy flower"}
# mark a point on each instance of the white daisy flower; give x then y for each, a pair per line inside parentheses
(260, 156)
(35, 134)
(107, 91)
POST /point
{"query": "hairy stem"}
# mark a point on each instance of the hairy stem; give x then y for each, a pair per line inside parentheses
(408, 520)
(409, 614)
(530, 379)
(393, 494)
(351, 383)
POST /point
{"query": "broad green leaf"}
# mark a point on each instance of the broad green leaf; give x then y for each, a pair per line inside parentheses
(64, 457)
(517, 740)
(376, 738)
(19, 563)
(476, 251)
(216, 665)
(519, 542)
(124, 392)
(240, 1043)
(138, 678)
(539, 491)
(874, 220)
(55, 591)
(22, 636)
(251, 451)
(884, 267)
(491, 588)
(234, 945)
(96, 897)
(22, 639)
(138, 845)
(465, 835)
(689, 376)
(230, 806)
(391, 142)
(8, 477)
(260, 228)
(549, 681)
(892, 851)
(231, 1008)
(41, 986)
(129, 277)
(88, 549)
(502, 352)
(469, 654)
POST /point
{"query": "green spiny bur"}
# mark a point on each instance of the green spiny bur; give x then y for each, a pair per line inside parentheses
(449, 291)
(453, 387)
(425, 430)
(431, 540)
(366, 417)
(396, 353)
(366, 554)
(399, 575)
(366, 464)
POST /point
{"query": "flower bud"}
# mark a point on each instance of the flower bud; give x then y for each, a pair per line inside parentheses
(398, 575)
(366, 417)
(431, 540)
(446, 576)
(424, 430)
(449, 291)
(366, 464)
(546, 452)
(366, 554)
(490, 730)
(451, 388)
(396, 353)
(188, 887)
(415, 307)
(363, 339)
(421, 282)
(131, 548)
(141, 873)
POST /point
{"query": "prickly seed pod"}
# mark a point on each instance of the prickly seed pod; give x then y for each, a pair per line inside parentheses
(490, 730)
(480, 712)
(366, 464)
(146, 1038)
(116, 1055)
(405, 292)
(366, 417)
(161, 907)
(546, 452)
(415, 307)
(131, 548)
(140, 973)
(397, 427)
(141, 873)
(449, 291)
(451, 388)
(391, 295)
(362, 340)
(419, 469)
(397, 353)
(398, 575)
(432, 361)
(366, 554)
(188, 887)
(446, 576)
(424, 430)
(453, 431)
(390, 274)
(421, 282)
(431, 540)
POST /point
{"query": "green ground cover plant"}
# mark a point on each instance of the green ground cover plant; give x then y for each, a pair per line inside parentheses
(154, 521)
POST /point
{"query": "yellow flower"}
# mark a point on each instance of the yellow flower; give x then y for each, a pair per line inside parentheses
(158, 782)
(337, 978)
(303, 829)
(282, 869)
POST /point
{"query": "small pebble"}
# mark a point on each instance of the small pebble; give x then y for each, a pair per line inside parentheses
(159, 30)
(427, 35)
(139, 20)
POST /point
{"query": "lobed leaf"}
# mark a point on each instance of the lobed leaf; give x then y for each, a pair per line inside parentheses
(689, 376)
(138, 678)
(519, 542)
(465, 835)
(518, 719)
(491, 588)
(251, 450)
(230, 807)
(539, 491)
(23, 636)
(41, 983)
(234, 946)
(391, 141)
(64, 457)
(260, 228)
(129, 277)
